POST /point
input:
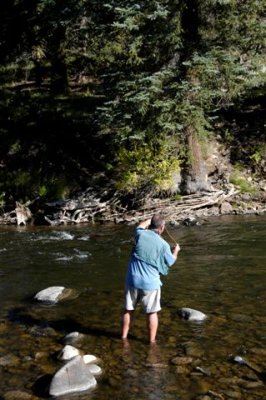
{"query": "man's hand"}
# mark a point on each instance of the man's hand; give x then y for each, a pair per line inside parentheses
(176, 250)
(145, 224)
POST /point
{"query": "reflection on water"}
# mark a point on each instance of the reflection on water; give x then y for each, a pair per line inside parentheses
(220, 271)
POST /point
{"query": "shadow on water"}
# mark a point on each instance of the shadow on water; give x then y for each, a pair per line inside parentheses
(41, 387)
(91, 314)
(20, 316)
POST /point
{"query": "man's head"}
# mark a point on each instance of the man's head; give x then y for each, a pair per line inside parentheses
(157, 223)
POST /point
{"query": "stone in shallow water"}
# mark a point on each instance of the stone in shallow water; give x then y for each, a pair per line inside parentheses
(18, 395)
(258, 351)
(232, 394)
(158, 365)
(68, 352)
(9, 360)
(73, 377)
(251, 385)
(181, 370)
(181, 360)
(191, 315)
(192, 349)
(51, 294)
(89, 358)
(73, 337)
(95, 369)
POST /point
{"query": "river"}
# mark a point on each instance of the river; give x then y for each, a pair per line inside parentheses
(220, 271)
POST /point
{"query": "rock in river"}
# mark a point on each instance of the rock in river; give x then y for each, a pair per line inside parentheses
(73, 337)
(89, 358)
(75, 376)
(52, 294)
(94, 369)
(191, 315)
(68, 352)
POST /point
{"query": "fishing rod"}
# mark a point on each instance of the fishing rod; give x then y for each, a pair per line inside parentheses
(170, 236)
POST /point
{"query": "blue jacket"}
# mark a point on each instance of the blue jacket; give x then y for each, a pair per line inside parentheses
(151, 257)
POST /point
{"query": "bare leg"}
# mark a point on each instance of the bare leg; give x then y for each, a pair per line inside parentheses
(152, 322)
(126, 319)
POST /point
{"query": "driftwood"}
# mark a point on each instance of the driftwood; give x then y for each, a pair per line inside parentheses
(20, 215)
(8, 218)
(89, 206)
(180, 209)
(87, 209)
(23, 213)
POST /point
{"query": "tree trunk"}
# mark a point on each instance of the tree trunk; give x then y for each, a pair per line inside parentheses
(194, 175)
(59, 81)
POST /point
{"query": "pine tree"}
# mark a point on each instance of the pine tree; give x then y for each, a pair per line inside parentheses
(175, 64)
(161, 72)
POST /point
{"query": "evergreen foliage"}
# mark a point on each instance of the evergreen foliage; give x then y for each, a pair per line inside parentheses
(118, 86)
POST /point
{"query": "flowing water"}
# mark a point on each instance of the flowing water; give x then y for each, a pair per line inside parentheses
(220, 271)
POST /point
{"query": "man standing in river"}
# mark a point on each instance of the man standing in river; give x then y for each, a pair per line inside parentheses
(151, 257)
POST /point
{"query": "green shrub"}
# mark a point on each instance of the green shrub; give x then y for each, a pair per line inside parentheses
(242, 183)
(141, 167)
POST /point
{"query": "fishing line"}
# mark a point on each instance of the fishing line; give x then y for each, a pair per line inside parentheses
(170, 236)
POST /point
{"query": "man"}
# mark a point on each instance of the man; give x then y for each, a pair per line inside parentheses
(151, 257)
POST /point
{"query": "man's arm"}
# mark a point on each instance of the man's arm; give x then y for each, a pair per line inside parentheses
(144, 224)
(171, 255)
(176, 250)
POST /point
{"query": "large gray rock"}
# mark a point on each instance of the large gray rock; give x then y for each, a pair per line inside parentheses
(75, 376)
(191, 315)
(226, 208)
(52, 294)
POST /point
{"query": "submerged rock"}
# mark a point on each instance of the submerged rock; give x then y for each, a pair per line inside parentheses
(191, 315)
(192, 349)
(203, 371)
(75, 376)
(18, 395)
(178, 360)
(181, 370)
(73, 337)
(52, 294)
(9, 360)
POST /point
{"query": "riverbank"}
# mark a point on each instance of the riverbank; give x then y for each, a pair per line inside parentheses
(102, 206)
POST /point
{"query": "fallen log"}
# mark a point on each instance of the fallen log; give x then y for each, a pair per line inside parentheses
(88, 207)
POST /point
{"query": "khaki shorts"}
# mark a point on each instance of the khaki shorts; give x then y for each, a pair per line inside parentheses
(149, 299)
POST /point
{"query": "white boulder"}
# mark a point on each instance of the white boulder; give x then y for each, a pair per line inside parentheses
(68, 352)
(89, 358)
(52, 294)
(191, 315)
(74, 376)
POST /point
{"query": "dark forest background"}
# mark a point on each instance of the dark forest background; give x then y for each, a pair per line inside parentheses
(127, 94)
